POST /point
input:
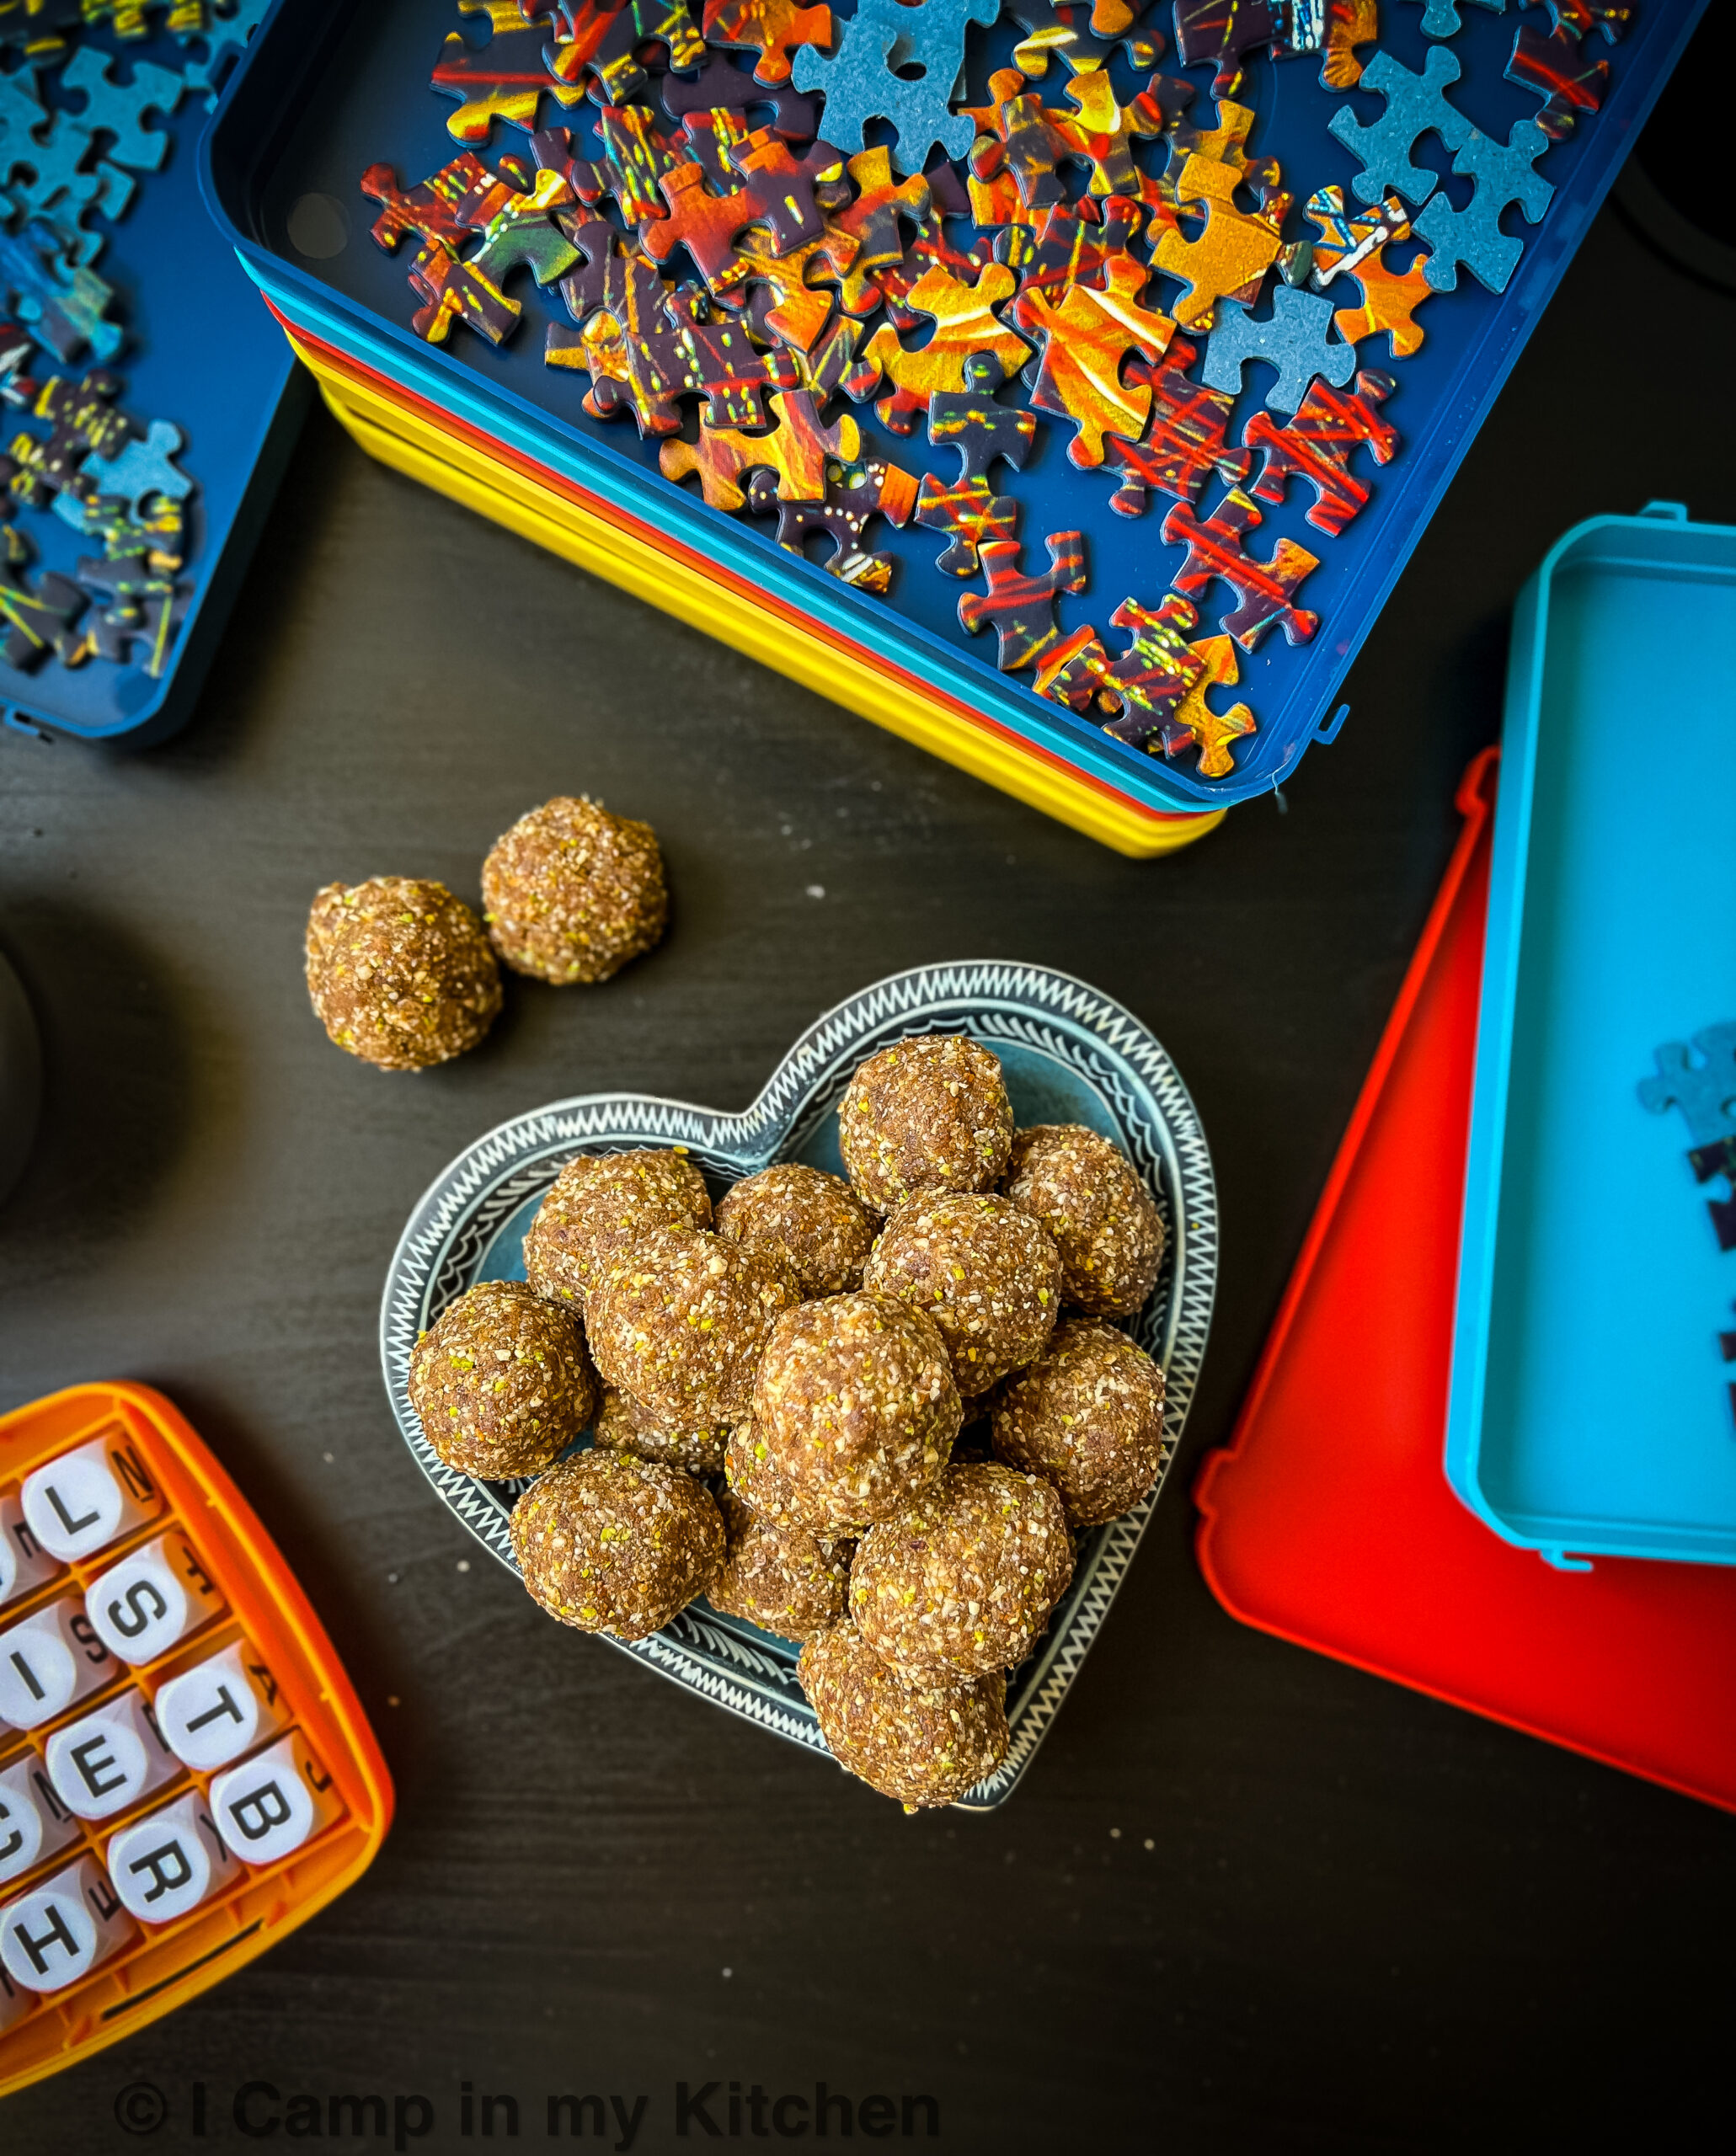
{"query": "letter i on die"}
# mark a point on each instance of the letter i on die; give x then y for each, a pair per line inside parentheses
(167, 1864)
(34, 1823)
(49, 1662)
(214, 1712)
(89, 1497)
(143, 1606)
(107, 1760)
(24, 1564)
(51, 1938)
(268, 1806)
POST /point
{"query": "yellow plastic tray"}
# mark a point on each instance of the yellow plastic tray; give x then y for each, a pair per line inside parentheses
(458, 463)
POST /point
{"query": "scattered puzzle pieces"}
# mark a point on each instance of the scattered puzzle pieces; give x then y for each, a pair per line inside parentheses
(1705, 1092)
(1021, 607)
(854, 495)
(1083, 343)
(1264, 591)
(861, 81)
(1354, 245)
(1416, 105)
(964, 323)
(1297, 340)
(1473, 236)
(65, 305)
(796, 449)
(1140, 690)
(1317, 443)
(594, 38)
(1185, 443)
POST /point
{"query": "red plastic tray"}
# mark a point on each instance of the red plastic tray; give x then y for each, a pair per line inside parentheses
(1327, 1518)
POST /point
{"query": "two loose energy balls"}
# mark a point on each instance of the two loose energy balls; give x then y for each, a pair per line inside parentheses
(775, 1386)
(402, 973)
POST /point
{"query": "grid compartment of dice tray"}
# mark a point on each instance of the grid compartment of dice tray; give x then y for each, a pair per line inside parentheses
(161, 1802)
(1112, 206)
(140, 400)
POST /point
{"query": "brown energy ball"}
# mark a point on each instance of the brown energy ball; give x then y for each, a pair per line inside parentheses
(501, 1381)
(929, 1114)
(1086, 1192)
(1089, 1418)
(400, 972)
(624, 1426)
(753, 1476)
(782, 1577)
(612, 1543)
(855, 1412)
(989, 1276)
(819, 1220)
(571, 893)
(965, 1577)
(922, 1740)
(680, 1321)
(598, 1203)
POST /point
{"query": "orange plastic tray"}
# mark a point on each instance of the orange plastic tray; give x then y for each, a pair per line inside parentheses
(1328, 1519)
(169, 1964)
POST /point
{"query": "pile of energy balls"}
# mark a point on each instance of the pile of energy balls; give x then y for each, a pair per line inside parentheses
(775, 1388)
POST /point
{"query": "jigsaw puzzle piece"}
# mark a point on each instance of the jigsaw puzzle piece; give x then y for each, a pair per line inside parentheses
(135, 620)
(862, 81)
(1229, 259)
(1317, 443)
(119, 109)
(1020, 607)
(1416, 105)
(227, 27)
(797, 449)
(81, 413)
(1473, 236)
(1220, 34)
(968, 512)
(1083, 344)
(1558, 69)
(1265, 591)
(1101, 131)
(638, 157)
(855, 494)
(1296, 339)
(65, 305)
(720, 86)
(598, 38)
(965, 325)
(774, 29)
(973, 422)
(1084, 38)
(1196, 724)
(1440, 17)
(1348, 23)
(1071, 245)
(35, 619)
(872, 220)
(141, 469)
(1140, 690)
(1186, 442)
(1704, 1091)
(1719, 1159)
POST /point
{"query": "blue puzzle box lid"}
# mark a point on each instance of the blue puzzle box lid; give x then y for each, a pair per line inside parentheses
(1593, 1406)
(199, 354)
(329, 90)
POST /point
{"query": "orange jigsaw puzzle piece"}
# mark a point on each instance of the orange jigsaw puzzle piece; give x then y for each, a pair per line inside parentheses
(1389, 298)
(1231, 256)
(796, 449)
(1085, 342)
(965, 322)
(1213, 731)
(772, 28)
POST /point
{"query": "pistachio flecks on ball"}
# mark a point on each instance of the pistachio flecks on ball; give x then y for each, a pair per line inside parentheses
(1089, 1415)
(680, 1321)
(501, 1382)
(597, 1204)
(1088, 1195)
(611, 1543)
(989, 1275)
(572, 892)
(818, 1219)
(924, 1741)
(928, 1114)
(399, 972)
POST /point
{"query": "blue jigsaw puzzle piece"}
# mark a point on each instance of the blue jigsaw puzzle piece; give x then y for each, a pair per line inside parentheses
(1704, 1091)
(1416, 106)
(119, 109)
(1473, 235)
(860, 81)
(141, 469)
(1296, 341)
(65, 305)
(1440, 17)
(225, 42)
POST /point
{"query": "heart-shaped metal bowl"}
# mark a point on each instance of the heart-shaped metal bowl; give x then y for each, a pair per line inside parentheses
(1070, 1055)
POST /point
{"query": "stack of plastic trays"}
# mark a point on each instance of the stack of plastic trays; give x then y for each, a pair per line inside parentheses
(329, 90)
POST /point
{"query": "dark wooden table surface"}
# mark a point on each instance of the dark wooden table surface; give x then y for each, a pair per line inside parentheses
(1247, 1899)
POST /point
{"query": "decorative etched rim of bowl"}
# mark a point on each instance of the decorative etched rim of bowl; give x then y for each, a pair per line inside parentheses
(1075, 1054)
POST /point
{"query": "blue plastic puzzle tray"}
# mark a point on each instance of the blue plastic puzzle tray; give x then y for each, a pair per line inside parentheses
(330, 89)
(196, 354)
(1592, 1407)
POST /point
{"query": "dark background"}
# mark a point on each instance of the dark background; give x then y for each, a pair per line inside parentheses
(1246, 1898)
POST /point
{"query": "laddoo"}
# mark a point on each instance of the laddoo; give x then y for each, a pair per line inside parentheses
(965, 1576)
(989, 1275)
(819, 1220)
(928, 1114)
(599, 1202)
(400, 972)
(782, 1577)
(924, 1741)
(624, 1425)
(571, 893)
(680, 1318)
(1086, 1192)
(1088, 1417)
(608, 1542)
(855, 1411)
(501, 1381)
